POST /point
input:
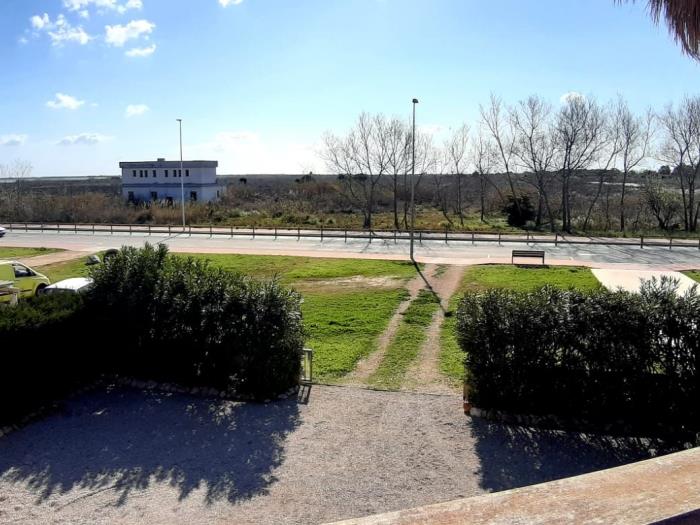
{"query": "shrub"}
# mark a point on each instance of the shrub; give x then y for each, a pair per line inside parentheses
(47, 349)
(519, 212)
(600, 356)
(179, 319)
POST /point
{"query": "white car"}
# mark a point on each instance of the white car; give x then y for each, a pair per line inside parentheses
(73, 285)
(3, 231)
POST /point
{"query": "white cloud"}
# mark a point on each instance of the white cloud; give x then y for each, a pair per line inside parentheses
(23, 40)
(12, 140)
(86, 139)
(118, 35)
(571, 95)
(60, 31)
(226, 3)
(103, 5)
(136, 110)
(40, 22)
(63, 101)
(141, 51)
(84, 13)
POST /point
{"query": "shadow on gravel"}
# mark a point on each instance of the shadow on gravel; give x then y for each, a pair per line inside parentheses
(125, 440)
(513, 456)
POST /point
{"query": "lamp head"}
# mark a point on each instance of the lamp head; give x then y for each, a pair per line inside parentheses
(415, 101)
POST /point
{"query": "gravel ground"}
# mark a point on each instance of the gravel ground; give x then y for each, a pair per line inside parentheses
(125, 456)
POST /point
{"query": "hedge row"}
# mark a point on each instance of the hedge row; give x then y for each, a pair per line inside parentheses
(153, 316)
(600, 356)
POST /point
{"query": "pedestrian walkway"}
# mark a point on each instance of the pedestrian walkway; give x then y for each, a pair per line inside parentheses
(631, 280)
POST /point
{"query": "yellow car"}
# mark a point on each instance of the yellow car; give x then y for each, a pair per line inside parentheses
(21, 277)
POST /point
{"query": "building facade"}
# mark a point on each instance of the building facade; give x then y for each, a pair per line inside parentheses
(162, 180)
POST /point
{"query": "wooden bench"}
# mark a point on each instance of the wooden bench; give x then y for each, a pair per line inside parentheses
(533, 254)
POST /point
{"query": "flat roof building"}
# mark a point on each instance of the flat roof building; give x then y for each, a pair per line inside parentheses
(160, 180)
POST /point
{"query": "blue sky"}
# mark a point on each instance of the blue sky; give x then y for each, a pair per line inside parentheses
(87, 83)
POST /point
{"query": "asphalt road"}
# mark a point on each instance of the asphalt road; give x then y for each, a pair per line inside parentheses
(439, 252)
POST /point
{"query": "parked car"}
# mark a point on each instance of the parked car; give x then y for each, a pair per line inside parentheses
(27, 280)
(3, 231)
(73, 285)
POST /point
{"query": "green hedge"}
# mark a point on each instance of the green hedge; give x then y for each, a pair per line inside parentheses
(47, 350)
(152, 316)
(598, 356)
(179, 319)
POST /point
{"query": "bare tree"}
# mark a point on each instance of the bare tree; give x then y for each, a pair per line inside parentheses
(496, 121)
(484, 157)
(398, 146)
(456, 158)
(534, 148)
(17, 170)
(681, 149)
(426, 160)
(635, 136)
(579, 139)
(663, 203)
(360, 159)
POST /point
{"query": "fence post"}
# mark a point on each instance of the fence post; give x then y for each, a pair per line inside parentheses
(670, 243)
(346, 235)
(275, 232)
(445, 234)
(129, 229)
(231, 227)
(111, 229)
(556, 238)
(298, 233)
(499, 238)
(75, 228)
(211, 231)
(149, 230)
(641, 241)
(321, 233)
(169, 229)
(253, 232)
(472, 238)
(190, 230)
(420, 237)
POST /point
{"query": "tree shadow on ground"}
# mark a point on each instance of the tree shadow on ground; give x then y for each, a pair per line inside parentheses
(514, 456)
(125, 440)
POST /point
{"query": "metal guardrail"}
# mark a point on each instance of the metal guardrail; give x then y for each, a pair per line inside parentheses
(345, 234)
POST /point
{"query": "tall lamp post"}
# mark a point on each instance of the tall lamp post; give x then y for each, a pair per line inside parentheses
(182, 181)
(413, 176)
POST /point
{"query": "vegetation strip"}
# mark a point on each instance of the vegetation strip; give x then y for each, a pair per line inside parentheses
(11, 252)
(407, 343)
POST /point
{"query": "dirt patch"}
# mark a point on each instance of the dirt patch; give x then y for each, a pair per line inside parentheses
(367, 366)
(349, 283)
(424, 374)
(52, 258)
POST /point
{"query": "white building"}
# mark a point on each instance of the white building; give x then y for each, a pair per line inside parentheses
(161, 180)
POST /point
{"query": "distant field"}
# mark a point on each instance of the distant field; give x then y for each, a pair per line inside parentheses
(8, 252)
(506, 277)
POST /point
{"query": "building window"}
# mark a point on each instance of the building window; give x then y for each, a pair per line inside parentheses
(154, 173)
(166, 173)
(134, 172)
(141, 173)
(187, 173)
(154, 195)
(179, 173)
(193, 196)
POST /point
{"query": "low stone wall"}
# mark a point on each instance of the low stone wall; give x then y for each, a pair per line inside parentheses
(659, 490)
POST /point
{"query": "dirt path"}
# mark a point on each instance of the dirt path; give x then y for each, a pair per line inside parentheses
(52, 258)
(424, 374)
(366, 367)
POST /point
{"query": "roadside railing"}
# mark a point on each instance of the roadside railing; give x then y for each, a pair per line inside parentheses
(322, 234)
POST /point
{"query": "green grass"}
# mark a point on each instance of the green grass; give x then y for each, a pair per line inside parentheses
(65, 270)
(407, 342)
(693, 274)
(508, 277)
(291, 269)
(343, 326)
(18, 253)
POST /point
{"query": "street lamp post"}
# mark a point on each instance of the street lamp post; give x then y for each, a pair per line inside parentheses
(413, 176)
(182, 181)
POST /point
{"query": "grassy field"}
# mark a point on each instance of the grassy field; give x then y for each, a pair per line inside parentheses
(10, 252)
(693, 274)
(407, 343)
(508, 277)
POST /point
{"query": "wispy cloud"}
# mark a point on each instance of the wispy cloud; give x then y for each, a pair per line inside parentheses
(85, 139)
(141, 51)
(226, 3)
(118, 35)
(63, 101)
(82, 6)
(136, 110)
(12, 140)
(60, 31)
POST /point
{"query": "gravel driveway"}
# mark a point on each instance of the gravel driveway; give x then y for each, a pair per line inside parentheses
(125, 456)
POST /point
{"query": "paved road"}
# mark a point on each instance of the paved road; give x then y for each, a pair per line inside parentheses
(437, 252)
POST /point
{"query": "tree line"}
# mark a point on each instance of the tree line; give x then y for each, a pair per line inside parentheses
(530, 151)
